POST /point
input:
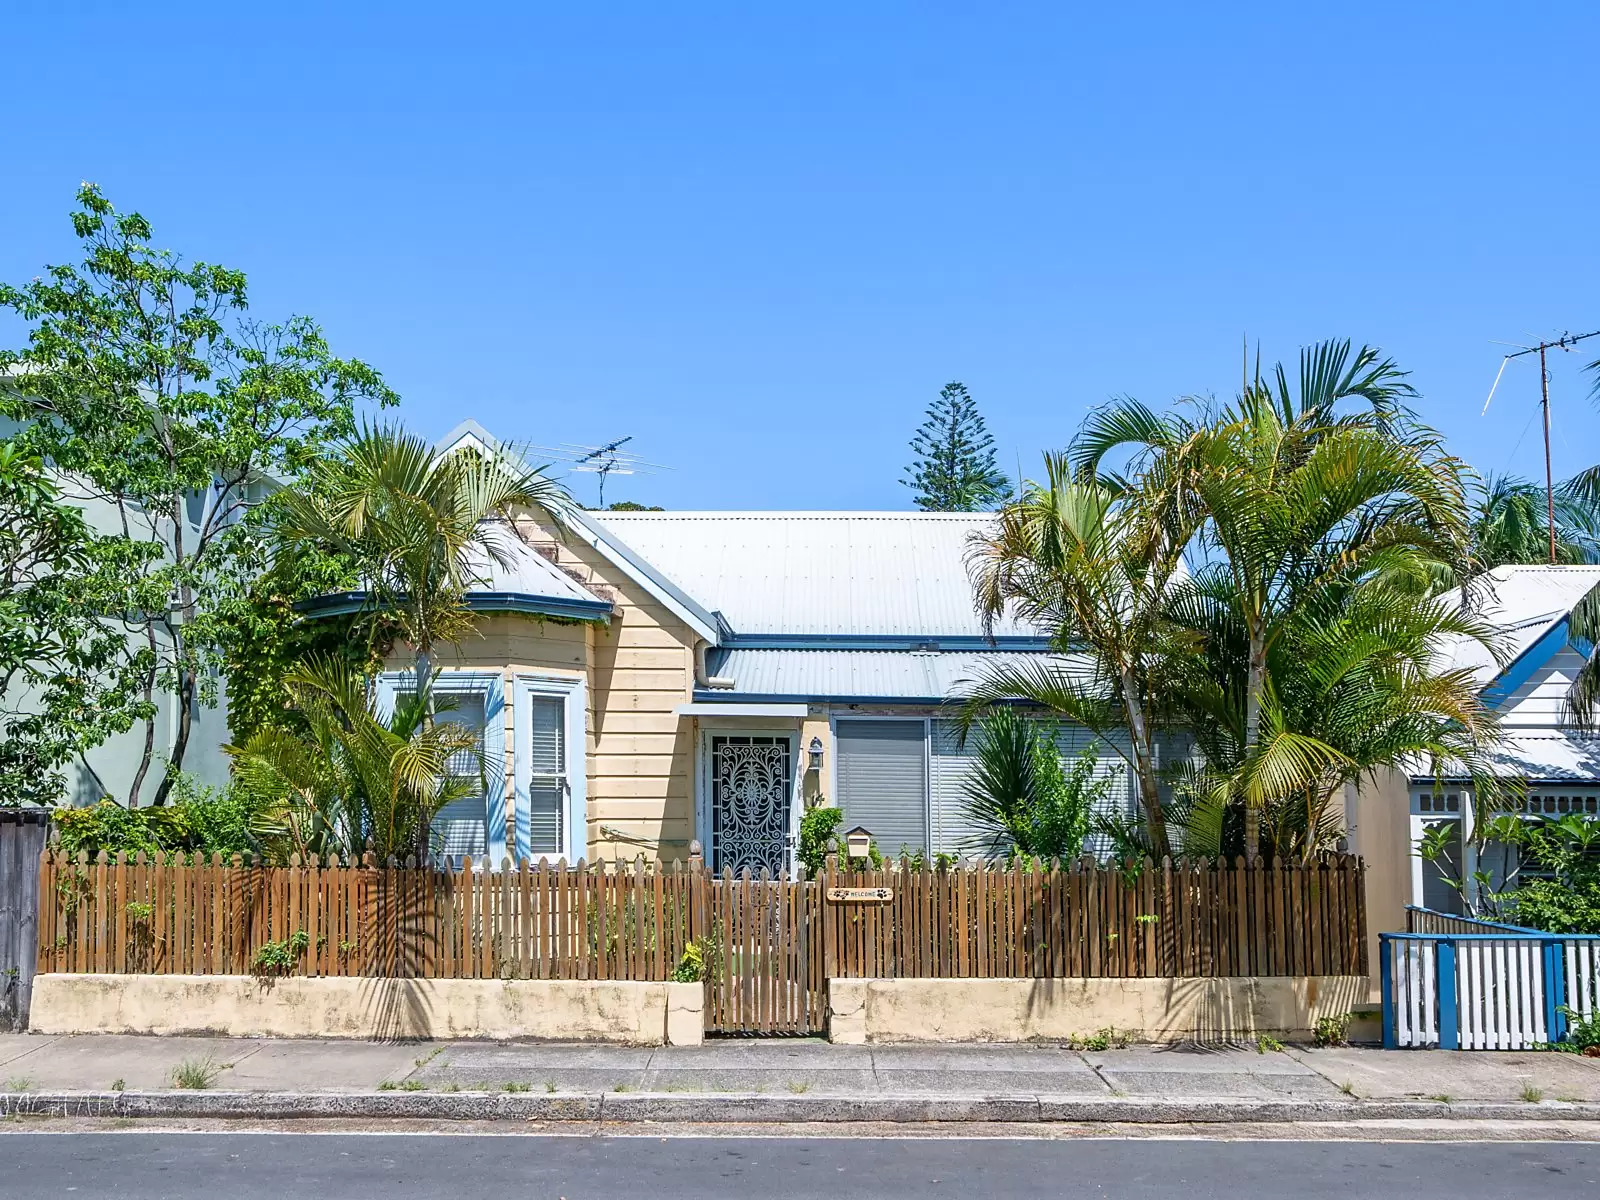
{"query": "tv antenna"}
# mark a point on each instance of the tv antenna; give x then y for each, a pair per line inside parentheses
(1565, 342)
(606, 460)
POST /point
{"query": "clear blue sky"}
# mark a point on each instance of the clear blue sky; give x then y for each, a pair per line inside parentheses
(760, 237)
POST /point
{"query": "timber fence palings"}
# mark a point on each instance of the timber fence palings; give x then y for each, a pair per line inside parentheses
(770, 943)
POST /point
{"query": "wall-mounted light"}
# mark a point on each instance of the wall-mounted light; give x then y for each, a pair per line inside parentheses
(814, 754)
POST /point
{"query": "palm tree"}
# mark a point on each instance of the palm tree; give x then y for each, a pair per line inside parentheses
(1510, 523)
(1094, 566)
(1292, 500)
(354, 781)
(418, 524)
(1356, 673)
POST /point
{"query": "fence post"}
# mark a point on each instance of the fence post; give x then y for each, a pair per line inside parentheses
(1445, 966)
(1555, 990)
(697, 893)
(1386, 983)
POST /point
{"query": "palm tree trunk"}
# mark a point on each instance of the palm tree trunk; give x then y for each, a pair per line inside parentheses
(424, 677)
(1144, 766)
(1252, 734)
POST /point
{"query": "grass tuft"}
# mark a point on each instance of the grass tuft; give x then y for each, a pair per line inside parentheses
(196, 1074)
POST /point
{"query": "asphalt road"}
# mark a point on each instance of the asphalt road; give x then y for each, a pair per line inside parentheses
(251, 1166)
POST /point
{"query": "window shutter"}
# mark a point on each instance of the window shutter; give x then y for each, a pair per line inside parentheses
(883, 784)
(462, 826)
(547, 773)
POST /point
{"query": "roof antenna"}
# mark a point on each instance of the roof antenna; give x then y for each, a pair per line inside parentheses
(1565, 342)
(602, 460)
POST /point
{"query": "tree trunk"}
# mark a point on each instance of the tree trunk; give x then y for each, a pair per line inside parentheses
(1252, 735)
(180, 741)
(423, 677)
(148, 754)
(1144, 766)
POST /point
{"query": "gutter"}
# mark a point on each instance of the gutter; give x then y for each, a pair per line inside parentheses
(701, 678)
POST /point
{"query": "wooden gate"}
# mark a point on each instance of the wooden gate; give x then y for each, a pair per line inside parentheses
(765, 977)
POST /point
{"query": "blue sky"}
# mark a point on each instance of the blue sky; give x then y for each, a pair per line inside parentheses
(759, 238)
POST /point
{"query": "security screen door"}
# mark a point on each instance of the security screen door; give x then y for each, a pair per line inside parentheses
(751, 784)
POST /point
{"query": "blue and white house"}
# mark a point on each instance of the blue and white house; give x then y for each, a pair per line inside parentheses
(1558, 763)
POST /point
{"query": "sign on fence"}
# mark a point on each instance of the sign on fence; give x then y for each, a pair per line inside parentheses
(858, 895)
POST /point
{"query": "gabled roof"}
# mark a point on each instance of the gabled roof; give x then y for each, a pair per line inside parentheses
(1530, 605)
(693, 614)
(848, 579)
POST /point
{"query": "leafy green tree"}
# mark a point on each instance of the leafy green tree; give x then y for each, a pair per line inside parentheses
(146, 386)
(955, 467)
(265, 636)
(68, 676)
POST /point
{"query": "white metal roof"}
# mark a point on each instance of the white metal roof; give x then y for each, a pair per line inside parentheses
(1524, 602)
(860, 674)
(1544, 756)
(522, 571)
(818, 573)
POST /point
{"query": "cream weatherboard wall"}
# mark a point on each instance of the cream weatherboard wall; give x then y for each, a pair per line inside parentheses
(639, 669)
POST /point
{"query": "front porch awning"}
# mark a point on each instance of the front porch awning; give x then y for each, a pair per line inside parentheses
(708, 709)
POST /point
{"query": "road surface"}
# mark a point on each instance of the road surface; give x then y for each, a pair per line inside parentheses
(229, 1166)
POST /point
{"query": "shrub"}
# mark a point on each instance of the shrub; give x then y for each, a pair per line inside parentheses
(1019, 796)
(816, 831)
(1331, 1031)
(691, 967)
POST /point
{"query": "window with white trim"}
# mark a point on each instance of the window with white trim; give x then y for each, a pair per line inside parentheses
(548, 782)
(462, 826)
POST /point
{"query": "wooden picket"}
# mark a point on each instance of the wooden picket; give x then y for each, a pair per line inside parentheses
(770, 944)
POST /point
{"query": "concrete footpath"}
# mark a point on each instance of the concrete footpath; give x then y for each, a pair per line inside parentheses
(779, 1080)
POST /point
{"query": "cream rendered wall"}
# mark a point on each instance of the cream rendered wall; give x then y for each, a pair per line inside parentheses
(1380, 832)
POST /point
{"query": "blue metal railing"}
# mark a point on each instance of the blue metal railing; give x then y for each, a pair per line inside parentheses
(1506, 988)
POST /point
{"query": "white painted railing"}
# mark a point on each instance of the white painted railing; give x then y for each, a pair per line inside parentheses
(1486, 991)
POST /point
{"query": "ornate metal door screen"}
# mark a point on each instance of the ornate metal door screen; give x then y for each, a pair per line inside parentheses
(750, 802)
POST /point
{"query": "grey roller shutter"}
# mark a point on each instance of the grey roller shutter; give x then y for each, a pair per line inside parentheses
(883, 781)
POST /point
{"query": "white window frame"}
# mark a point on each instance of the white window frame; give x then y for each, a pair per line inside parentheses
(491, 687)
(572, 840)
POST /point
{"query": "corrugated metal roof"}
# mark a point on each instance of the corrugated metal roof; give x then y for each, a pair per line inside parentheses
(859, 674)
(1558, 756)
(523, 572)
(838, 573)
(1524, 602)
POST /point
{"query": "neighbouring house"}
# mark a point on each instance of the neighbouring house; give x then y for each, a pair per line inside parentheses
(644, 680)
(1558, 763)
(108, 769)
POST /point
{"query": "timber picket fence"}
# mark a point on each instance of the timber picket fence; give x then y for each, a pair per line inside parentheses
(768, 944)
